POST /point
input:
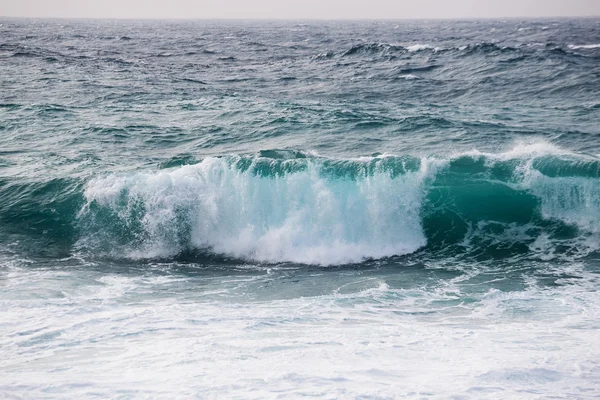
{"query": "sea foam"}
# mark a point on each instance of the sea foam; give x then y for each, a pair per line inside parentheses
(304, 216)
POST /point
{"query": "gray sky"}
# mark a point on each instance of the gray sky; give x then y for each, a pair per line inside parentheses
(298, 9)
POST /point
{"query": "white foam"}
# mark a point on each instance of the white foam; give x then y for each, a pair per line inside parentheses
(85, 334)
(299, 217)
(409, 77)
(574, 200)
(584, 46)
(420, 47)
(520, 150)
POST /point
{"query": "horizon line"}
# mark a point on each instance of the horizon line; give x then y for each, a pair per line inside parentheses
(312, 19)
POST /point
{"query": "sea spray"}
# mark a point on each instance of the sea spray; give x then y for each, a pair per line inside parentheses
(300, 210)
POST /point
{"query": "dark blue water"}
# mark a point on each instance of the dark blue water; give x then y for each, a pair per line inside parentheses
(358, 203)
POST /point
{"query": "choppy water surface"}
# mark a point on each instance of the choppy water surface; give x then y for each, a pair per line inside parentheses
(278, 209)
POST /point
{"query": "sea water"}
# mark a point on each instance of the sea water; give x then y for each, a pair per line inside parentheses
(236, 209)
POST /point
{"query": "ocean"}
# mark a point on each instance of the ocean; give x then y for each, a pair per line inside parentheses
(327, 209)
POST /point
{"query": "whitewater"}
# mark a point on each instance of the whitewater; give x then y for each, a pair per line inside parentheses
(375, 209)
(312, 210)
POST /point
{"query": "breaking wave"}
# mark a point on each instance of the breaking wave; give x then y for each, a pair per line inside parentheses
(267, 208)
(288, 206)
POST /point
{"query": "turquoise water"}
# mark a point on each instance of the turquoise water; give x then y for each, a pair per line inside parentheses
(283, 209)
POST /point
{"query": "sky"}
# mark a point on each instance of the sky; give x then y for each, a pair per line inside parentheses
(298, 9)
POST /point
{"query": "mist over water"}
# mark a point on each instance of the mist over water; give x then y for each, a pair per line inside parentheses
(332, 209)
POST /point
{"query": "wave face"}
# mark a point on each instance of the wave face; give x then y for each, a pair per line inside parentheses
(290, 207)
(534, 200)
